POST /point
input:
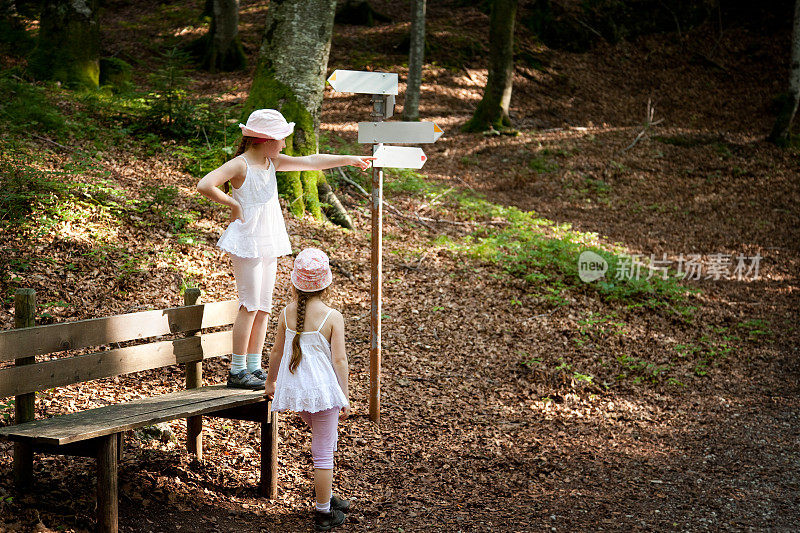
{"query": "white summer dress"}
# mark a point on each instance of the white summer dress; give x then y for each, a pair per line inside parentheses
(313, 387)
(263, 232)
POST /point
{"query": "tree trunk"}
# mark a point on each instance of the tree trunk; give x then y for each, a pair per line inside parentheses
(492, 111)
(221, 48)
(783, 123)
(415, 59)
(290, 77)
(68, 49)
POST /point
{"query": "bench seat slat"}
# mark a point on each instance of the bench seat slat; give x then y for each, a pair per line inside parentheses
(18, 380)
(83, 425)
(18, 343)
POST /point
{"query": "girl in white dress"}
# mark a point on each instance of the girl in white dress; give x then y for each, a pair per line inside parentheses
(308, 374)
(257, 236)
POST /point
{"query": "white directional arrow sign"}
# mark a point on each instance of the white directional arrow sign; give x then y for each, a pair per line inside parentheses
(399, 157)
(356, 81)
(398, 132)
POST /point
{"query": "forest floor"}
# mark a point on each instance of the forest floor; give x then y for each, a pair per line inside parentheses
(508, 404)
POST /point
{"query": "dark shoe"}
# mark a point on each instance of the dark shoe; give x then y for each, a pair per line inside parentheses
(340, 505)
(245, 380)
(259, 374)
(328, 521)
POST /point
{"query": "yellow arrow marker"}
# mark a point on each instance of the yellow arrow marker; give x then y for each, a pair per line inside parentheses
(333, 77)
(437, 129)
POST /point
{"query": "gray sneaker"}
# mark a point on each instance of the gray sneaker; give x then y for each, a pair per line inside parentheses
(245, 380)
(259, 374)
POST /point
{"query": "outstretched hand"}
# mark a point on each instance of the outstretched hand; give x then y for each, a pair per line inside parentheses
(362, 162)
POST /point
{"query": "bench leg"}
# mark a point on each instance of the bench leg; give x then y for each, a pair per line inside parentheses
(194, 436)
(23, 465)
(107, 498)
(268, 485)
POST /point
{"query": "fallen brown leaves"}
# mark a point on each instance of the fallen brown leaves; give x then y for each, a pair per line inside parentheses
(474, 436)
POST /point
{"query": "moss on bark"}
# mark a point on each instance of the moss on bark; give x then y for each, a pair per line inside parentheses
(68, 49)
(299, 187)
(492, 111)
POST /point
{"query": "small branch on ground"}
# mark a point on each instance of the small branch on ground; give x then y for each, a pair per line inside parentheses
(409, 266)
(53, 142)
(389, 206)
(416, 217)
(648, 123)
(433, 200)
(346, 273)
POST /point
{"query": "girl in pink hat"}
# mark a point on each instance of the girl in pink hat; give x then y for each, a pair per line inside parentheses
(257, 236)
(308, 373)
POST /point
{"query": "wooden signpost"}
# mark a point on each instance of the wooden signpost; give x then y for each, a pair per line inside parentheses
(383, 88)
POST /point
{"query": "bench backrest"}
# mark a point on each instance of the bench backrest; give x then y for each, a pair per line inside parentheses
(146, 325)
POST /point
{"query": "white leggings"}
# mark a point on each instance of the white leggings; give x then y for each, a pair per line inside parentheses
(255, 281)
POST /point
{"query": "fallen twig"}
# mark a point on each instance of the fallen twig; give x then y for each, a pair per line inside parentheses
(387, 204)
(433, 200)
(409, 266)
(53, 142)
(648, 123)
(344, 271)
(416, 217)
(346, 178)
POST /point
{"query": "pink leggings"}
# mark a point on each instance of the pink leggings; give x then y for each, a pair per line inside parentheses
(324, 434)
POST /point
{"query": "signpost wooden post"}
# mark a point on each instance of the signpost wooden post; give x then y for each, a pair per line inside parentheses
(383, 88)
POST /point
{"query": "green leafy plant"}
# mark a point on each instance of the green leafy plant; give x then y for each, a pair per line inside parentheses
(170, 109)
(7, 409)
(26, 107)
(640, 370)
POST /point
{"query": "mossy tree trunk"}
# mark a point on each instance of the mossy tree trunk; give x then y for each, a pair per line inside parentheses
(221, 48)
(68, 49)
(415, 59)
(492, 111)
(290, 77)
(783, 123)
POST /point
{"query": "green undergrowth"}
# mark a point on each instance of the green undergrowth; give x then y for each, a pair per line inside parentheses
(542, 252)
(545, 254)
(163, 117)
(612, 363)
(34, 202)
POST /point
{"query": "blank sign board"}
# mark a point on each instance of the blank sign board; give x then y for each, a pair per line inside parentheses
(399, 157)
(398, 132)
(356, 81)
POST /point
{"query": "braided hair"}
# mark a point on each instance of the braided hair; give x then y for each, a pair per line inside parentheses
(244, 145)
(302, 298)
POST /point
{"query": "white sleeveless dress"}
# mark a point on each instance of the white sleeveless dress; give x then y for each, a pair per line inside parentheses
(313, 387)
(263, 232)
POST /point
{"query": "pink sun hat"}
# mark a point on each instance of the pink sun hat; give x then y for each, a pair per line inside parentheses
(267, 124)
(312, 270)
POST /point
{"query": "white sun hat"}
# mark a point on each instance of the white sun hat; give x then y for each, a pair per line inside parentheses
(267, 124)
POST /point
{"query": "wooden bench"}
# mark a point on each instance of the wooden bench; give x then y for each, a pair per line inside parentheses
(98, 432)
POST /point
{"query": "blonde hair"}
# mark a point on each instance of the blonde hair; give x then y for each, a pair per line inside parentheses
(302, 298)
